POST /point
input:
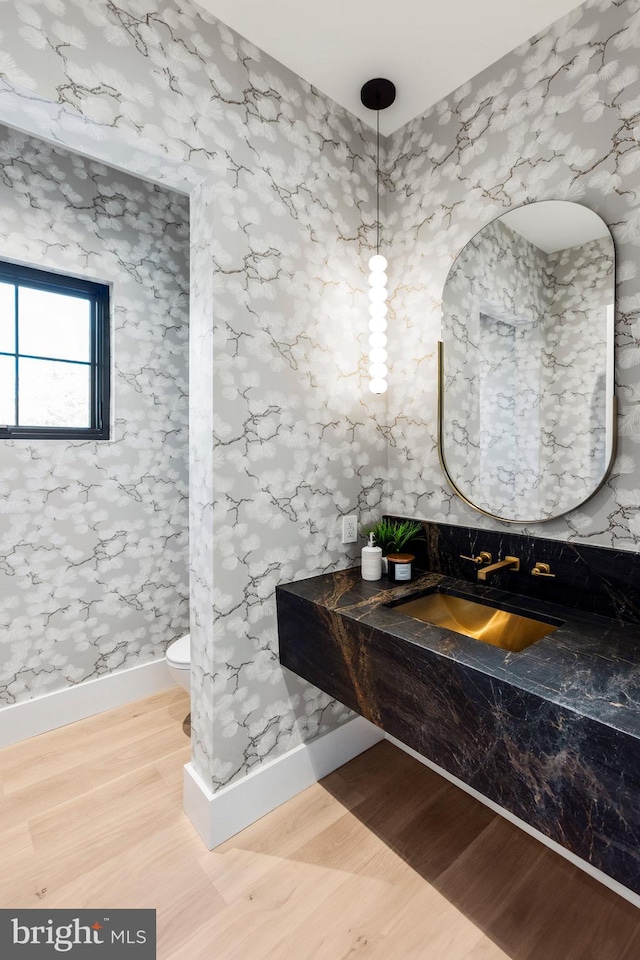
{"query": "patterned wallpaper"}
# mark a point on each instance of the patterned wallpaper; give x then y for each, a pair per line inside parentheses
(285, 436)
(493, 306)
(93, 534)
(558, 118)
(525, 356)
(293, 438)
(577, 349)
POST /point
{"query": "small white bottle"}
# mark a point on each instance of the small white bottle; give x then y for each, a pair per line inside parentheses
(371, 561)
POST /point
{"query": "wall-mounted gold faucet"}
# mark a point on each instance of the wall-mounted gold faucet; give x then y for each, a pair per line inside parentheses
(542, 570)
(510, 563)
(483, 557)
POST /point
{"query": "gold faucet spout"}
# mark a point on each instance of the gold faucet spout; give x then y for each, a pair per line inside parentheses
(511, 563)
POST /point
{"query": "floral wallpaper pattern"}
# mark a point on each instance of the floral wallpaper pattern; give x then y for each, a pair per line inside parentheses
(577, 348)
(558, 118)
(295, 442)
(285, 436)
(93, 534)
(493, 304)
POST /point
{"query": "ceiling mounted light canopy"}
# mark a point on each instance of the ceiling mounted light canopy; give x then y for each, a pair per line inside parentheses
(378, 94)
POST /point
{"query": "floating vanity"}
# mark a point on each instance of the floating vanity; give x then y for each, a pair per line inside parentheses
(550, 732)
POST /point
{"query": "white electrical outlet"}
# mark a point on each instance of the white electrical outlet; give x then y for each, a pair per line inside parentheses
(350, 528)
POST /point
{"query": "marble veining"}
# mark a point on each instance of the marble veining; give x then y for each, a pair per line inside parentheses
(586, 578)
(552, 733)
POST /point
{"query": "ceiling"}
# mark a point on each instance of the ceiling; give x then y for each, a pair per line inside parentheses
(427, 48)
(553, 225)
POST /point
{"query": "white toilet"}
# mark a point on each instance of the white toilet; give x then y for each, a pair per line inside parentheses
(179, 660)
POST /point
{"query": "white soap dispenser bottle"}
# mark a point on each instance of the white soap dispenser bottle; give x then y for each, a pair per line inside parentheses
(371, 561)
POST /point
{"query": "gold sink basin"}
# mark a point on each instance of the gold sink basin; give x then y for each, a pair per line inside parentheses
(511, 631)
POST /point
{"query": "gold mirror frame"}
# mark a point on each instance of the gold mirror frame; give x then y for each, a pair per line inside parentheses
(610, 399)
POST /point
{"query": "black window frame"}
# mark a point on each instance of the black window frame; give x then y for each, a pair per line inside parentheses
(100, 362)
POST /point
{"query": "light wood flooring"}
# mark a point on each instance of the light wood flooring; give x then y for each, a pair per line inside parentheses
(383, 860)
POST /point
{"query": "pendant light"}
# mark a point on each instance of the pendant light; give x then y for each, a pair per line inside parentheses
(377, 95)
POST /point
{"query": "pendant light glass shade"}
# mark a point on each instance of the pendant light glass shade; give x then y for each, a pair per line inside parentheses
(378, 310)
(377, 324)
(378, 263)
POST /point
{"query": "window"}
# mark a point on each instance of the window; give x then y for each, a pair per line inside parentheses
(54, 355)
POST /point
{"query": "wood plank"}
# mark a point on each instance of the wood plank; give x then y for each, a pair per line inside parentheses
(283, 898)
(18, 806)
(15, 844)
(296, 822)
(30, 761)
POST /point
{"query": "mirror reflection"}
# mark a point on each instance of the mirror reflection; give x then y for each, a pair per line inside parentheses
(526, 418)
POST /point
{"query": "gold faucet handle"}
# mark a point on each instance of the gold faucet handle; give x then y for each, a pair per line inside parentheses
(483, 557)
(542, 570)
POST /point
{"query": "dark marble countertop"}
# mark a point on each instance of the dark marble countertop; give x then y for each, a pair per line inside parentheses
(589, 664)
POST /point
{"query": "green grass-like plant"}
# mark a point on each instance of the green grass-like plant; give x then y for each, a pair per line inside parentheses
(393, 536)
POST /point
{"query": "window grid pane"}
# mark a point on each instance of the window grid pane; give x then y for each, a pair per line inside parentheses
(7, 318)
(54, 355)
(53, 393)
(53, 325)
(7, 390)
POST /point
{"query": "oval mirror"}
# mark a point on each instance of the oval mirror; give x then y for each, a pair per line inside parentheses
(527, 409)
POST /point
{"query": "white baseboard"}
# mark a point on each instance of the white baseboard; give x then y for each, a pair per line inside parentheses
(608, 881)
(23, 720)
(218, 816)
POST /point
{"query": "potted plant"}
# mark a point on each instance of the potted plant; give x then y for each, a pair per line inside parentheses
(406, 532)
(393, 536)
